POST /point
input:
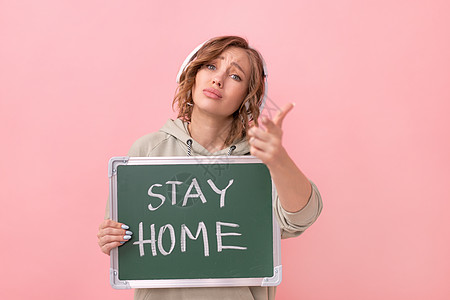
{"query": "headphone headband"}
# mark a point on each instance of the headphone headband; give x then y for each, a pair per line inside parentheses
(191, 55)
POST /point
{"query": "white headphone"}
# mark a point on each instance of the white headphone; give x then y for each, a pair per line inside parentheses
(190, 58)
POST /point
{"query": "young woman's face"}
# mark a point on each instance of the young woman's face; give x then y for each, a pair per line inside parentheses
(222, 84)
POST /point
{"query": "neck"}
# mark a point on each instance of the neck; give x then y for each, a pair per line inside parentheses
(209, 131)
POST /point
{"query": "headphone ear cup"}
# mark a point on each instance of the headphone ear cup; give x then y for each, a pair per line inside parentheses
(188, 60)
(264, 97)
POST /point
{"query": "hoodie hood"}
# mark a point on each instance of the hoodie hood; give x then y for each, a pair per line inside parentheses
(178, 130)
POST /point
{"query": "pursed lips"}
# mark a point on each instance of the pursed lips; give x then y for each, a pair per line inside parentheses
(212, 93)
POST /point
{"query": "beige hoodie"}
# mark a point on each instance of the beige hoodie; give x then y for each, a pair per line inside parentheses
(173, 139)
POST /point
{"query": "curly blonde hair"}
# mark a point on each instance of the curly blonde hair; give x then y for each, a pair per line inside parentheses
(248, 111)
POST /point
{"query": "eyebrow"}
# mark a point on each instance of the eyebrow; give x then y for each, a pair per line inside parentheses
(234, 64)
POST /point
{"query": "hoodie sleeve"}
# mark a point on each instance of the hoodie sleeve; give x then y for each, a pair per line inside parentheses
(294, 224)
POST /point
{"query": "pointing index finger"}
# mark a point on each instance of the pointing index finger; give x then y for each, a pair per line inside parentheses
(278, 119)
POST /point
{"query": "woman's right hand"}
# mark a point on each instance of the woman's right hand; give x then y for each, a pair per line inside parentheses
(112, 234)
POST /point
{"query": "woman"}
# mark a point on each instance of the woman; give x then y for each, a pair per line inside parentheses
(219, 97)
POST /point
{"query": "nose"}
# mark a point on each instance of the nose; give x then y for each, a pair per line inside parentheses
(217, 82)
(218, 79)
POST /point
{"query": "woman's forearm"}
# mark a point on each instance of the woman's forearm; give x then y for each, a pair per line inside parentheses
(293, 187)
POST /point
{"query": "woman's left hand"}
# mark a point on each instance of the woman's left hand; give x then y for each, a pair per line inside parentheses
(265, 143)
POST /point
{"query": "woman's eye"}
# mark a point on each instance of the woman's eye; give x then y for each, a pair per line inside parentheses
(211, 67)
(236, 77)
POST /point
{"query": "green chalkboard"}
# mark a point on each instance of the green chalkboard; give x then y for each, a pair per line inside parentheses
(198, 221)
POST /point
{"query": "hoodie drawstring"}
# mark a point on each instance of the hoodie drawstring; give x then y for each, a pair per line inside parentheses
(231, 150)
(189, 143)
(189, 150)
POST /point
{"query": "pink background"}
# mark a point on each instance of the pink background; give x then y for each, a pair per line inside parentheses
(81, 80)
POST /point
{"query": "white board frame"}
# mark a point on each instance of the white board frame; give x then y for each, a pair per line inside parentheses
(179, 283)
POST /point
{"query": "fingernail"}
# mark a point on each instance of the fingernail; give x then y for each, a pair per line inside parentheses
(128, 232)
(293, 103)
(122, 243)
(127, 237)
(125, 226)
